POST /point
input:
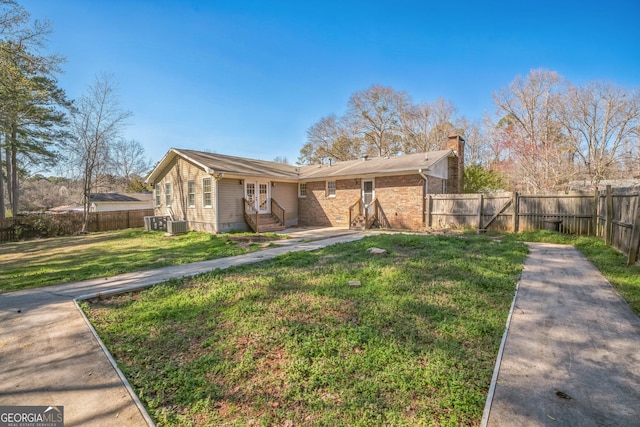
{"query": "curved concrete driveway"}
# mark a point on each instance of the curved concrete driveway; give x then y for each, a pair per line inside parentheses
(572, 353)
(49, 356)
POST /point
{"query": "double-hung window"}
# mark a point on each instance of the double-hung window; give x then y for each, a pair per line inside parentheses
(191, 194)
(168, 192)
(158, 194)
(206, 192)
(331, 189)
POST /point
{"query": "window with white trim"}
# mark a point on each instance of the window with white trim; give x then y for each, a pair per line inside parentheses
(168, 192)
(302, 189)
(191, 193)
(206, 192)
(331, 189)
(158, 194)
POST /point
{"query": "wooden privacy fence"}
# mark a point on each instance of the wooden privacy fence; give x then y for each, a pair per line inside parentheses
(613, 215)
(44, 225)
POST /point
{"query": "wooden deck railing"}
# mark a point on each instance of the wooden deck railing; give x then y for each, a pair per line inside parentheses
(251, 215)
(279, 212)
(355, 210)
(371, 214)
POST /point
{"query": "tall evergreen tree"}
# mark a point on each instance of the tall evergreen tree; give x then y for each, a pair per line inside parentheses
(32, 106)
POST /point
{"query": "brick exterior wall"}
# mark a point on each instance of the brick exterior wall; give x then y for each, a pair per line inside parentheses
(456, 166)
(319, 209)
(401, 199)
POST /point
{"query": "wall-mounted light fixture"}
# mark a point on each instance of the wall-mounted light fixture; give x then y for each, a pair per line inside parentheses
(273, 184)
(242, 182)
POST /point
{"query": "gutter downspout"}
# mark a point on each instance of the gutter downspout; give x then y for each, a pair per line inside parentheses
(216, 177)
(424, 195)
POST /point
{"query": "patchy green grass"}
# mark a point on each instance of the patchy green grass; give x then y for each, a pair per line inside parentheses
(289, 342)
(43, 262)
(611, 263)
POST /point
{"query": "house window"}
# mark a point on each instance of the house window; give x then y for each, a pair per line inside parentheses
(444, 186)
(168, 191)
(331, 189)
(302, 189)
(191, 193)
(206, 192)
(158, 194)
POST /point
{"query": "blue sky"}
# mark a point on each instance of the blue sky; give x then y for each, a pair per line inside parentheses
(248, 78)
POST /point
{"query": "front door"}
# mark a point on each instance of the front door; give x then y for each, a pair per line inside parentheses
(257, 194)
(368, 193)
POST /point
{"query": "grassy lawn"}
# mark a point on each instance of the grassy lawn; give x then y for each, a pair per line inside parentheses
(43, 262)
(611, 263)
(288, 342)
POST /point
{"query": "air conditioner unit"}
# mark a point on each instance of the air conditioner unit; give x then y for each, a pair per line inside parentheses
(176, 227)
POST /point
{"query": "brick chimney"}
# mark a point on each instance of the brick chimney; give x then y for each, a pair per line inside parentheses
(456, 143)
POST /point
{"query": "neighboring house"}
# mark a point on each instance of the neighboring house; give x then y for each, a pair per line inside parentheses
(586, 185)
(219, 193)
(108, 202)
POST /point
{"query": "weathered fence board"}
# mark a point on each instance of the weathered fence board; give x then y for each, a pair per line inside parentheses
(611, 215)
(68, 223)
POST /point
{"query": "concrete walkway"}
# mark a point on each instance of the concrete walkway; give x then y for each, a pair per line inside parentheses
(571, 357)
(572, 353)
(49, 356)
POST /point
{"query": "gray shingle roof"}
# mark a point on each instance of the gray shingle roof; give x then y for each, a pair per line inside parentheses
(238, 166)
(375, 165)
(112, 197)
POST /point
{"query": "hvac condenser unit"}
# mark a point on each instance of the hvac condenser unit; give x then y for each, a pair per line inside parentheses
(176, 227)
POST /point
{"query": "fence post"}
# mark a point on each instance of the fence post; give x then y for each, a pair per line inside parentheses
(429, 209)
(480, 203)
(514, 206)
(634, 243)
(608, 229)
(596, 216)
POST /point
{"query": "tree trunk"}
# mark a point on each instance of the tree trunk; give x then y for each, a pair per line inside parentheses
(9, 167)
(2, 207)
(15, 190)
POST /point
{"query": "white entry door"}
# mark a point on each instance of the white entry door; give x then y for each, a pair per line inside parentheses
(258, 195)
(368, 193)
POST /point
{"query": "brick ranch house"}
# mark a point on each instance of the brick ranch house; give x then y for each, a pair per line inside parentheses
(218, 193)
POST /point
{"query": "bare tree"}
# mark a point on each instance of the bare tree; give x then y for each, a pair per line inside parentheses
(128, 161)
(281, 159)
(477, 145)
(426, 126)
(329, 139)
(600, 120)
(96, 126)
(532, 133)
(376, 115)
